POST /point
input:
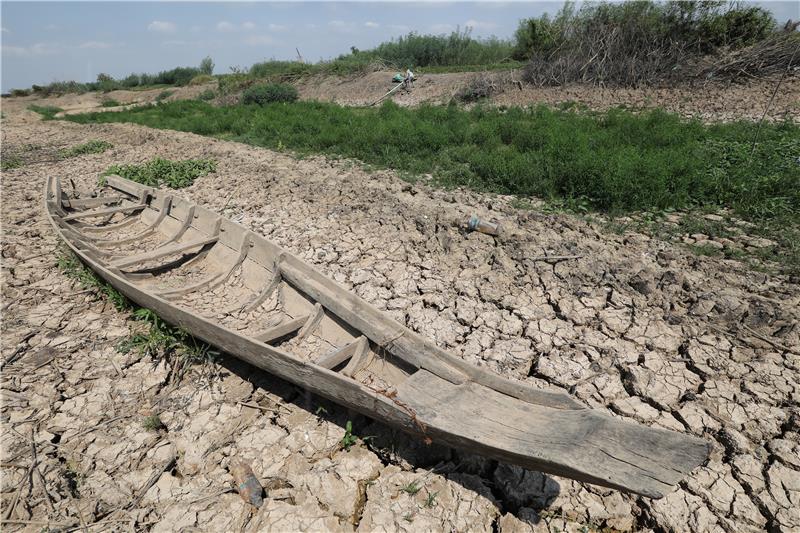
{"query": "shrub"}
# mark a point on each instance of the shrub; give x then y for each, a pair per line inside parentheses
(207, 66)
(109, 102)
(268, 93)
(201, 79)
(206, 95)
(163, 95)
(21, 92)
(158, 172)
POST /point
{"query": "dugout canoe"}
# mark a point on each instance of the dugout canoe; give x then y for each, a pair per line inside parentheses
(245, 295)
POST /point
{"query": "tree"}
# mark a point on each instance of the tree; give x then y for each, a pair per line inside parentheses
(207, 66)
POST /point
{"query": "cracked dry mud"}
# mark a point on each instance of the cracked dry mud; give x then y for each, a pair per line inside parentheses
(637, 327)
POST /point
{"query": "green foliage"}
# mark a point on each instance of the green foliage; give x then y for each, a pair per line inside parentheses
(349, 439)
(10, 162)
(158, 172)
(201, 79)
(269, 93)
(207, 95)
(615, 161)
(153, 423)
(207, 66)
(71, 266)
(430, 500)
(91, 147)
(48, 112)
(21, 92)
(163, 95)
(412, 488)
(109, 102)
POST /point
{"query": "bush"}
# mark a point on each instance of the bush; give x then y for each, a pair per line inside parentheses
(207, 95)
(21, 92)
(163, 95)
(109, 102)
(207, 66)
(201, 79)
(268, 93)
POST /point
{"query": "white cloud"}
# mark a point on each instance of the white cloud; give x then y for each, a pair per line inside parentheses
(96, 45)
(277, 27)
(259, 40)
(370, 24)
(225, 26)
(249, 25)
(38, 49)
(161, 26)
(480, 25)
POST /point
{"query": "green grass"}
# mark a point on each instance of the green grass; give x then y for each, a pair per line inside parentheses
(71, 266)
(10, 162)
(48, 112)
(91, 147)
(163, 95)
(158, 172)
(153, 423)
(617, 161)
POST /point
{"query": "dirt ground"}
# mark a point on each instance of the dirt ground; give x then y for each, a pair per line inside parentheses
(637, 327)
(712, 101)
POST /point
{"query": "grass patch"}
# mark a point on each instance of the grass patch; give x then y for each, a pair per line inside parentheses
(159, 172)
(163, 95)
(90, 147)
(71, 266)
(48, 112)
(153, 423)
(110, 102)
(412, 488)
(10, 162)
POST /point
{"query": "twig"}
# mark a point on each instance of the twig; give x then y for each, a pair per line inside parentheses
(767, 340)
(554, 257)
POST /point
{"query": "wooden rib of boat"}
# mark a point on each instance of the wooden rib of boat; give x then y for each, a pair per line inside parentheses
(242, 293)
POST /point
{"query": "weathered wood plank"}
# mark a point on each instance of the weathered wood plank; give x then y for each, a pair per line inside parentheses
(82, 203)
(342, 354)
(358, 359)
(164, 251)
(312, 322)
(104, 212)
(162, 214)
(281, 330)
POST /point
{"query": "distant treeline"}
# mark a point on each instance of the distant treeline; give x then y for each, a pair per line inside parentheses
(625, 43)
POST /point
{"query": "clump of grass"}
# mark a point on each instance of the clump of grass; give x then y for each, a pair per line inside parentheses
(412, 488)
(163, 95)
(71, 266)
(153, 423)
(48, 112)
(430, 501)
(91, 147)
(349, 439)
(158, 172)
(269, 93)
(10, 162)
(110, 102)
(207, 95)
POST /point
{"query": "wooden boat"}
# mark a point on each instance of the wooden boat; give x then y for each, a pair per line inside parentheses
(245, 295)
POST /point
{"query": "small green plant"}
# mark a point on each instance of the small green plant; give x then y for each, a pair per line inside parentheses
(69, 264)
(91, 147)
(10, 162)
(163, 95)
(158, 172)
(153, 423)
(207, 95)
(430, 501)
(269, 93)
(48, 112)
(412, 488)
(109, 102)
(349, 439)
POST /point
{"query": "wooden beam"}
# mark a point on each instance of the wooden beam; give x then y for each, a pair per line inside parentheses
(74, 203)
(164, 211)
(281, 330)
(163, 251)
(104, 212)
(312, 322)
(358, 359)
(342, 354)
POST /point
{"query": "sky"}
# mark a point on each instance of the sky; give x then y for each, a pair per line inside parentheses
(48, 41)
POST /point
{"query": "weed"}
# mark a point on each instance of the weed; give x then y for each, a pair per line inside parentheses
(153, 423)
(71, 266)
(412, 488)
(163, 95)
(48, 112)
(90, 147)
(269, 93)
(109, 102)
(207, 95)
(349, 439)
(9, 162)
(430, 501)
(158, 172)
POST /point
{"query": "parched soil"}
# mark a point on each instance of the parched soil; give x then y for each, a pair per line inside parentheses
(637, 327)
(711, 101)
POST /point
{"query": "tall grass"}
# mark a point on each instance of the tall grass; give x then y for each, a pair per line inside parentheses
(616, 161)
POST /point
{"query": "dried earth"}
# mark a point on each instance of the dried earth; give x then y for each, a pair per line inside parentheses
(637, 327)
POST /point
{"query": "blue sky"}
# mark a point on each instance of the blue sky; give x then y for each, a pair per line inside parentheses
(47, 41)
